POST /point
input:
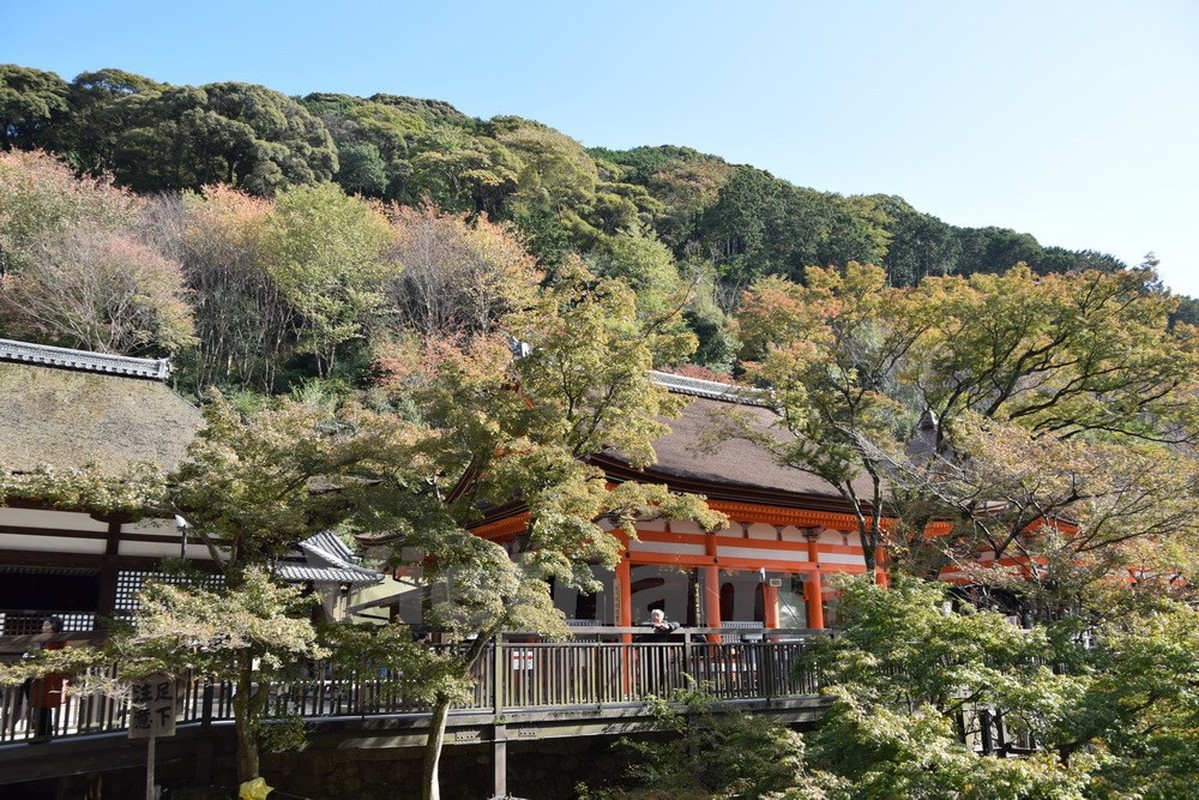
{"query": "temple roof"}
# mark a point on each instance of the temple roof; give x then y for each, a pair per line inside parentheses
(67, 408)
(84, 360)
(735, 469)
(327, 559)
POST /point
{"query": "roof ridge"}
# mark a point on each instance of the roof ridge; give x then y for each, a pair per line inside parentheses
(713, 390)
(84, 360)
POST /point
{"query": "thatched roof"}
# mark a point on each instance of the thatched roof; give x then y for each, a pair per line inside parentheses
(90, 409)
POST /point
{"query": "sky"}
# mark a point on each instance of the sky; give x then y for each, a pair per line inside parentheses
(1074, 120)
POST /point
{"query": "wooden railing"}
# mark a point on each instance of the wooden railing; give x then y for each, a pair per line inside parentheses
(511, 675)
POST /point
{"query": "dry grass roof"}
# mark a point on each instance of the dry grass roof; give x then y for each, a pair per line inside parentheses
(66, 418)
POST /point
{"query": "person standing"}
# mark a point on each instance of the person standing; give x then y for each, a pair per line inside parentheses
(46, 692)
(660, 627)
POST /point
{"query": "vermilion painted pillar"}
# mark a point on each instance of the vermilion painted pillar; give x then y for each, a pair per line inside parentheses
(711, 576)
(770, 599)
(880, 570)
(813, 592)
(622, 592)
(622, 596)
(813, 596)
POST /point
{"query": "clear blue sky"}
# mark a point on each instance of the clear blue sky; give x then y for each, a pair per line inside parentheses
(1075, 121)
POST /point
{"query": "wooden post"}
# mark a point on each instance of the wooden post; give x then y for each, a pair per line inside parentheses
(106, 597)
(499, 759)
(711, 575)
(150, 767)
(813, 592)
(499, 742)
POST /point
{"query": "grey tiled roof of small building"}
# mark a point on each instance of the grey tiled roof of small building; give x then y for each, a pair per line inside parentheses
(302, 572)
(87, 361)
(327, 559)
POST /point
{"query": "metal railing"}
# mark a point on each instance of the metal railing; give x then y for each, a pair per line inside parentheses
(511, 675)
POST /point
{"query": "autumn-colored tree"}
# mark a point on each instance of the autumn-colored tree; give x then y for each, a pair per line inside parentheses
(1057, 399)
(830, 355)
(73, 269)
(1061, 398)
(245, 323)
(40, 198)
(500, 429)
(102, 291)
(456, 276)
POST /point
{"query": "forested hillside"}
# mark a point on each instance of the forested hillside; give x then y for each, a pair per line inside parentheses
(354, 276)
(681, 227)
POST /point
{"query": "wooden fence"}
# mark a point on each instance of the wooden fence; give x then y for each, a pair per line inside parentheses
(512, 675)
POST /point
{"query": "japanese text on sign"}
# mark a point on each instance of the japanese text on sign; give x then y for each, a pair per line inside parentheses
(152, 707)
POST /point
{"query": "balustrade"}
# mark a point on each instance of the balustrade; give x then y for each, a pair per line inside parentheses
(511, 675)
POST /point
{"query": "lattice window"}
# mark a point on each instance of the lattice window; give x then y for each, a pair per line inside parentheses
(130, 582)
(23, 623)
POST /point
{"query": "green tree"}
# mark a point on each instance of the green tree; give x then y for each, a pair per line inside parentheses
(995, 250)
(1077, 374)
(760, 225)
(185, 137)
(496, 429)
(250, 635)
(326, 253)
(647, 266)
(33, 108)
(905, 675)
(256, 483)
(713, 753)
(921, 245)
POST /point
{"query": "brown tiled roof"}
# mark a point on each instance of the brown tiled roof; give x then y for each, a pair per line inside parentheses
(66, 418)
(733, 469)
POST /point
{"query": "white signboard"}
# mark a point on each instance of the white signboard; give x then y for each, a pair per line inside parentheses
(152, 707)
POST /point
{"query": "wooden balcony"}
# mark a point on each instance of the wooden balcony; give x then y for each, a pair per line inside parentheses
(523, 690)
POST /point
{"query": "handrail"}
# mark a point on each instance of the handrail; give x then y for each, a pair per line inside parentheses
(512, 675)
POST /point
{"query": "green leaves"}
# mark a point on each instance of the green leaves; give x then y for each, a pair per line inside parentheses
(180, 628)
(325, 251)
(256, 484)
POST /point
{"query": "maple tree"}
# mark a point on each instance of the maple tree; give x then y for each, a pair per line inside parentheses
(494, 429)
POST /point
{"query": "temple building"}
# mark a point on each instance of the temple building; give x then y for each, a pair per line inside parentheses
(788, 531)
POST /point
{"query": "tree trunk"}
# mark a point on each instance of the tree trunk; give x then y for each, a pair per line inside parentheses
(441, 712)
(247, 710)
(433, 746)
